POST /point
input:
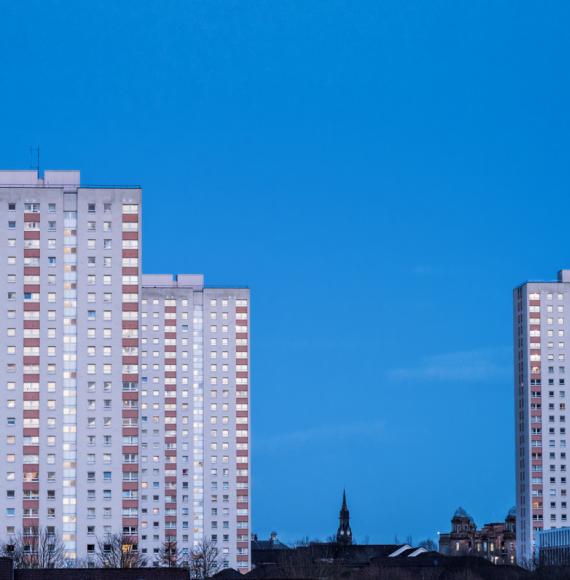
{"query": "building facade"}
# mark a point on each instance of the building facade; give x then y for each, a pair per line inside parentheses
(553, 547)
(79, 454)
(195, 407)
(494, 541)
(540, 327)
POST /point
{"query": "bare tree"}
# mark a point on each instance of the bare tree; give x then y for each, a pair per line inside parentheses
(37, 547)
(429, 545)
(204, 562)
(169, 556)
(8, 550)
(119, 551)
(80, 563)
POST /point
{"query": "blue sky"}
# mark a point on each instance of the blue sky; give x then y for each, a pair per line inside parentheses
(380, 173)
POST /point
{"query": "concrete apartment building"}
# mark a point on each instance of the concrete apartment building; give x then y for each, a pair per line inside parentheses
(78, 451)
(195, 407)
(541, 327)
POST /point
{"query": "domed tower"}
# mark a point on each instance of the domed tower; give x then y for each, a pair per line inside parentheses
(344, 533)
(462, 522)
(511, 520)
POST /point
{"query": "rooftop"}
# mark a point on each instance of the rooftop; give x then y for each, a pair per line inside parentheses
(461, 513)
(562, 276)
(195, 281)
(50, 178)
(173, 280)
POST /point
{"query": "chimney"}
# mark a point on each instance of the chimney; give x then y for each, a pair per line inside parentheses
(564, 276)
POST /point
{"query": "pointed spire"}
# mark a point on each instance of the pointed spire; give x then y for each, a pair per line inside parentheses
(344, 533)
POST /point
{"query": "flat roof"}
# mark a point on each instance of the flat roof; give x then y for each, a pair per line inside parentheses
(51, 178)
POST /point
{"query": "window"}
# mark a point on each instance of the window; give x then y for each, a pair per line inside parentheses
(91, 207)
(51, 207)
(11, 225)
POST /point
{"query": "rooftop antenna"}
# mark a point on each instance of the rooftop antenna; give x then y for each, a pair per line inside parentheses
(35, 158)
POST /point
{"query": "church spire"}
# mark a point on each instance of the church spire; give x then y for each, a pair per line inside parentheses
(344, 533)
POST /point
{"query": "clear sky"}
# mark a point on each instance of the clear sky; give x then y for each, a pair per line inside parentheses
(381, 174)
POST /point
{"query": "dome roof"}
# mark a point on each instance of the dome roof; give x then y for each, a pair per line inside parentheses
(461, 513)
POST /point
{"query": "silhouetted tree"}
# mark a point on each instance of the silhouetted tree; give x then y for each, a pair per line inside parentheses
(119, 551)
(429, 545)
(169, 556)
(204, 560)
(36, 548)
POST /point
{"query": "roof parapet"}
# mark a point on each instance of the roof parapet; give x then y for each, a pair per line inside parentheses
(32, 178)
